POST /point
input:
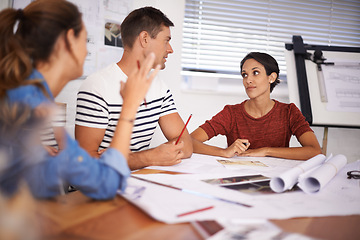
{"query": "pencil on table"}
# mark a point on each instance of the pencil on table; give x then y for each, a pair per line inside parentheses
(194, 211)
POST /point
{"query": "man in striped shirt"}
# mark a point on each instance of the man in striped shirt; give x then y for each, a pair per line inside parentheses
(99, 103)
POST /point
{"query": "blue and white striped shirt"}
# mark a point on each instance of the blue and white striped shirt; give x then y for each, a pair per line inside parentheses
(99, 105)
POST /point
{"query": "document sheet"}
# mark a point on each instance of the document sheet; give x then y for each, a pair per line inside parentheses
(211, 191)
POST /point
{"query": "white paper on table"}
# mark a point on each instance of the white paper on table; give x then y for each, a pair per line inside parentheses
(317, 179)
(340, 197)
(162, 203)
(289, 178)
(198, 163)
(166, 204)
(253, 230)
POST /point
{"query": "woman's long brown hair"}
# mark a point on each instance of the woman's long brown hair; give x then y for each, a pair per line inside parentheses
(28, 36)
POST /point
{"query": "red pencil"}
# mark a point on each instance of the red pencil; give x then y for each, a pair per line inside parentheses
(138, 64)
(195, 211)
(183, 130)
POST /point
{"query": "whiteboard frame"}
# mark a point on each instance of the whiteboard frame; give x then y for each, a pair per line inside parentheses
(320, 115)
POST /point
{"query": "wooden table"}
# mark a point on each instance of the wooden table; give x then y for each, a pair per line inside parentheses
(74, 216)
(77, 217)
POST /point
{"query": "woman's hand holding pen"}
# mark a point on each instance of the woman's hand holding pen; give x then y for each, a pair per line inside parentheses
(237, 148)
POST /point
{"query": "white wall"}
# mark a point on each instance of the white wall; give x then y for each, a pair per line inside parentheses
(204, 105)
(4, 4)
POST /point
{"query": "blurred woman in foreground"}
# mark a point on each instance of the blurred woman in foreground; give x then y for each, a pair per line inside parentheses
(42, 48)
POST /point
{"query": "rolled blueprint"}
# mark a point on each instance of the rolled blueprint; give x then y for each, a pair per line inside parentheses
(289, 178)
(317, 179)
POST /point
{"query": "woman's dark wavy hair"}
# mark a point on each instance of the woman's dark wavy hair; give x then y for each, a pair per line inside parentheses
(269, 63)
(38, 27)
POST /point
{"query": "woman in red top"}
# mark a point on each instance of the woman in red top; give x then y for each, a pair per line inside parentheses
(259, 126)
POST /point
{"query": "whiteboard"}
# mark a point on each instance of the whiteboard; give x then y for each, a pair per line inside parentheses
(322, 113)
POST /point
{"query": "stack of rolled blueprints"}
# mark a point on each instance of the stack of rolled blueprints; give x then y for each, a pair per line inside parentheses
(311, 175)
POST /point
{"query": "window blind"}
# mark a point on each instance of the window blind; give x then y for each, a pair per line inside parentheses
(217, 34)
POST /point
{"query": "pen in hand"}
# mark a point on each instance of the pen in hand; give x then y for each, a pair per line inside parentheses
(177, 141)
(138, 65)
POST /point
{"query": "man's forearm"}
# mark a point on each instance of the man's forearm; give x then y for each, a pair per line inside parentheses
(139, 160)
(188, 144)
(188, 148)
(166, 154)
